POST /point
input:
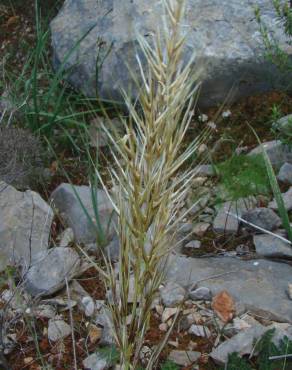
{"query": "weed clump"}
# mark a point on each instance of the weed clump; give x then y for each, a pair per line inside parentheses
(20, 157)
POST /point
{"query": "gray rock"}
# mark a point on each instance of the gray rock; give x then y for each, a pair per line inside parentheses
(205, 170)
(272, 247)
(88, 306)
(277, 152)
(113, 249)
(199, 294)
(224, 222)
(242, 343)
(96, 361)
(50, 269)
(199, 331)
(285, 173)
(230, 48)
(258, 285)
(284, 125)
(201, 228)
(71, 208)
(265, 218)
(58, 329)
(172, 294)
(287, 199)
(193, 244)
(184, 358)
(104, 320)
(25, 222)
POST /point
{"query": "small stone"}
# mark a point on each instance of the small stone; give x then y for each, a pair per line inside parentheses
(290, 291)
(272, 247)
(28, 360)
(193, 244)
(58, 329)
(88, 306)
(242, 249)
(205, 170)
(46, 311)
(287, 199)
(185, 228)
(163, 327)
(201, 228)
(172, 294)
(262, 217)
(285, 174)
(226, 220)
(168, 313)
(199, 331)
(96, 361)
(184, 358)
(201, 293)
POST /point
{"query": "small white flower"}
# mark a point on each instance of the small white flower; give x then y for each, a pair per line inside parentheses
(203, 118)
(226, 114)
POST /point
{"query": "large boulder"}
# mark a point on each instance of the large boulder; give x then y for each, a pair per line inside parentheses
(25, 223)
(96, 41)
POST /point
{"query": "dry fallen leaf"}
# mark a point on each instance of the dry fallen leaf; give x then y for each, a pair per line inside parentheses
(224, 306)
(94, 333)
(12, 20)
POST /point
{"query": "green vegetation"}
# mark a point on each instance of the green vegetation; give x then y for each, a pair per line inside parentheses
(274, 51)
(243, 176)
(265, 349)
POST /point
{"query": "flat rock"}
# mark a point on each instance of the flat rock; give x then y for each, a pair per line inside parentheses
(25, 223)
(277, 152)
(263, 217)
(72, 201)
(272, 247)
(50, 269)
(287, 199)
(260, 286)
(229, 48)
(226, 223)
(184, 358)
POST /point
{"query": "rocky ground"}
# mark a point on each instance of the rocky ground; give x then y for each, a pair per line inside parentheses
(229, 278)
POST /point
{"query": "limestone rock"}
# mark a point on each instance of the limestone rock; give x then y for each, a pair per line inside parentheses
(260, 286)
(224, 222)
(58, 329)
(230, 48)
(287, 199)
(285, 173)
(72, 201)
(272, 247)
(25, 222)
(172, 294)
(184, 358)
(263, 217)
(50, 269)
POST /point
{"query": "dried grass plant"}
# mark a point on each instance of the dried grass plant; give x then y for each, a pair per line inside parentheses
(148, 188)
